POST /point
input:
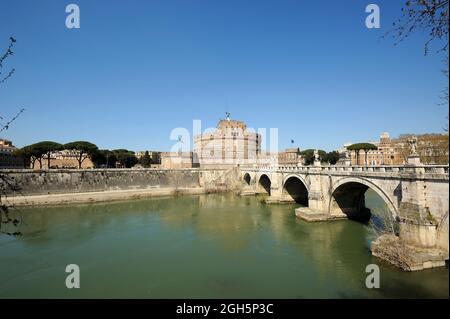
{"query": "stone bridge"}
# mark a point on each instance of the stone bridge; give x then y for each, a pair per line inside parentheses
(417, 195)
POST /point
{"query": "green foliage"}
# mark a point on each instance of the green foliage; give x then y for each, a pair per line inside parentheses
(145, 160)
(125, 158)
(308, 155)
(114, 158)
(45, 148)
(85, 150)
(331, 157)
(104, 158)
(37, 151)
(82, 146)
(362, 146)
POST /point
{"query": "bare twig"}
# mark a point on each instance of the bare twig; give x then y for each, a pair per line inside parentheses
(8, 52)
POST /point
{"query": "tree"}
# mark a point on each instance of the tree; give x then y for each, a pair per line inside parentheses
(104, 158)
(331, 157)
(30, 154)
(45, 149)
(125, 157)
(145, 160)
(361, 146)
(308, 156)
(84, 150)
(27, 154)
(38, 151)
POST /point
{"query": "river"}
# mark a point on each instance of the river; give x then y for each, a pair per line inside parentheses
(206, 246)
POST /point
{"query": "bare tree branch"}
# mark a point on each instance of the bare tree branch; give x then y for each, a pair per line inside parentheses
(7, 183)
(428, 15)
(3, 57)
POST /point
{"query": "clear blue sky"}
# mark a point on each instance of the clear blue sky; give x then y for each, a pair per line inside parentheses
(137, 69)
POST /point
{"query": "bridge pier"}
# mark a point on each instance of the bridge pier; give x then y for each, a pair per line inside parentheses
(418, 223)
(420, 243)
(276, 192)
(415, 248)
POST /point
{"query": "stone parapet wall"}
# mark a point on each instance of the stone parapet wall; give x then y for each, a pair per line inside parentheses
(60, 181)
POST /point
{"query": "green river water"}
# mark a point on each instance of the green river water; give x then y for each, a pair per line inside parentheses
(207, 246)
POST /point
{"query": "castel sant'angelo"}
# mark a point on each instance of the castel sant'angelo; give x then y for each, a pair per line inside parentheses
(229, 144)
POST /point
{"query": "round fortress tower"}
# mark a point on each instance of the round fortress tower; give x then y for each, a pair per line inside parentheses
(230, 144)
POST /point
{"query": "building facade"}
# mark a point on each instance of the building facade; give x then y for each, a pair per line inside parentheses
(7, 158)
(387, 153)
(64, 159)
(290, 156)
(230, 144)
(177, 160)
(431, 148)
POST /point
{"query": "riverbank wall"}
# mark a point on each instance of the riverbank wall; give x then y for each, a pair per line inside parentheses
(61, 186)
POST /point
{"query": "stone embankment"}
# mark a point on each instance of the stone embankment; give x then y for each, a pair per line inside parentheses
(62, 186)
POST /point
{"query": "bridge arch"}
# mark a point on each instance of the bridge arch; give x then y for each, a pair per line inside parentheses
(247, 179)
(295, 187)
(264, 183)
(347, 197)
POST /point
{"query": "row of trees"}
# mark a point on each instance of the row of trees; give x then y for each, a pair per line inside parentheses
(115, 158)
(38, 152)
(121, 158)
(41, 152)
(330, 157)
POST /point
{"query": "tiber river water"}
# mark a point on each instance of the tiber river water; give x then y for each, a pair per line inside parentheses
(208, 246)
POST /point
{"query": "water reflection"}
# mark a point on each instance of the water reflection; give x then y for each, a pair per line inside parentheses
(198, 246)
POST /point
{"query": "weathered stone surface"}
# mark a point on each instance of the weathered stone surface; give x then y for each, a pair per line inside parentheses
(77, 186)
(395, 251)
(94, 180)
(309, 215)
